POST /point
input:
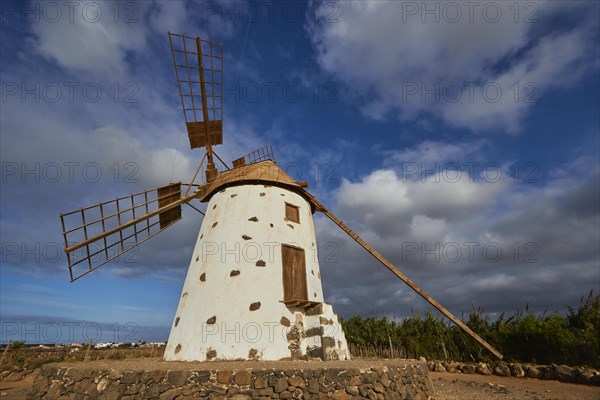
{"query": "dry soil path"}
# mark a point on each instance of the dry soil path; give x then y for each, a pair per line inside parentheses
(479, 387)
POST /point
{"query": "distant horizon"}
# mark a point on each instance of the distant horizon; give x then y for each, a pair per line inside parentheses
(43, 330)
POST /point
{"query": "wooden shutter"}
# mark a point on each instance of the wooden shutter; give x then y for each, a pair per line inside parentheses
(294, 273)
(292, 213)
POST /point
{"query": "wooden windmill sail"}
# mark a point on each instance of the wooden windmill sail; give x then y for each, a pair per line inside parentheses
(255, 206)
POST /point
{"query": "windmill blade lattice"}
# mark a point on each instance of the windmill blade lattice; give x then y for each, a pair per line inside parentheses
(262, 154)
(100, 233)
(199, 70)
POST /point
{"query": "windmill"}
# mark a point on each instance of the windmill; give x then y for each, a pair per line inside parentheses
(253, 287)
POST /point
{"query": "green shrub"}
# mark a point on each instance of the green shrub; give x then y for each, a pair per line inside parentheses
(572, 339)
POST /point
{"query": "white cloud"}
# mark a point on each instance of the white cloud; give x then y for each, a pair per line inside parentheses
(155, 164)
(88, 39)
(386, 202)
(169, 16)
(431, 152)
(556, 61)
(423, 228)
(500, 281)
(99, 38)
(486, 73)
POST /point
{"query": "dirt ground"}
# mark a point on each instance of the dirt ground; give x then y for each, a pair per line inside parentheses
(16, 390)
(447, 387)
(478, 387)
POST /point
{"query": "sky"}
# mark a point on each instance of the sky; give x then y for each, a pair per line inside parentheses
(460, 139)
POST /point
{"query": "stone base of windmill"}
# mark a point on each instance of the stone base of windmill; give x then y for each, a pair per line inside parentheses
(157, 379)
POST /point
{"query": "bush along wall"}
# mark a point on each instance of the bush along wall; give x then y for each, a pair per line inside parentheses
(525, 337)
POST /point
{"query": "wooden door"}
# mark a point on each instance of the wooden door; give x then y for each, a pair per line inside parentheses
(294, 273)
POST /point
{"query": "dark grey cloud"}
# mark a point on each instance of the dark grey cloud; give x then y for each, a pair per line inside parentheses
(548, 235)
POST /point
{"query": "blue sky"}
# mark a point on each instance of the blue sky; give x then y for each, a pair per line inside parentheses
(441, 134)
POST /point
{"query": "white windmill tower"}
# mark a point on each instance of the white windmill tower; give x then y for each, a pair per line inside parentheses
(253, 287)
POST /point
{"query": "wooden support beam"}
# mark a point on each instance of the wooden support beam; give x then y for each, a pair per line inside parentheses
(195, 174)
(320, 207)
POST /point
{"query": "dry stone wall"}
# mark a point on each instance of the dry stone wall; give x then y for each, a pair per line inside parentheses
(404, 381)
(561, 373)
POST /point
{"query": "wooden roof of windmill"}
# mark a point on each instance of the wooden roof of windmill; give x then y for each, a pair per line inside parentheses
(262, 172)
